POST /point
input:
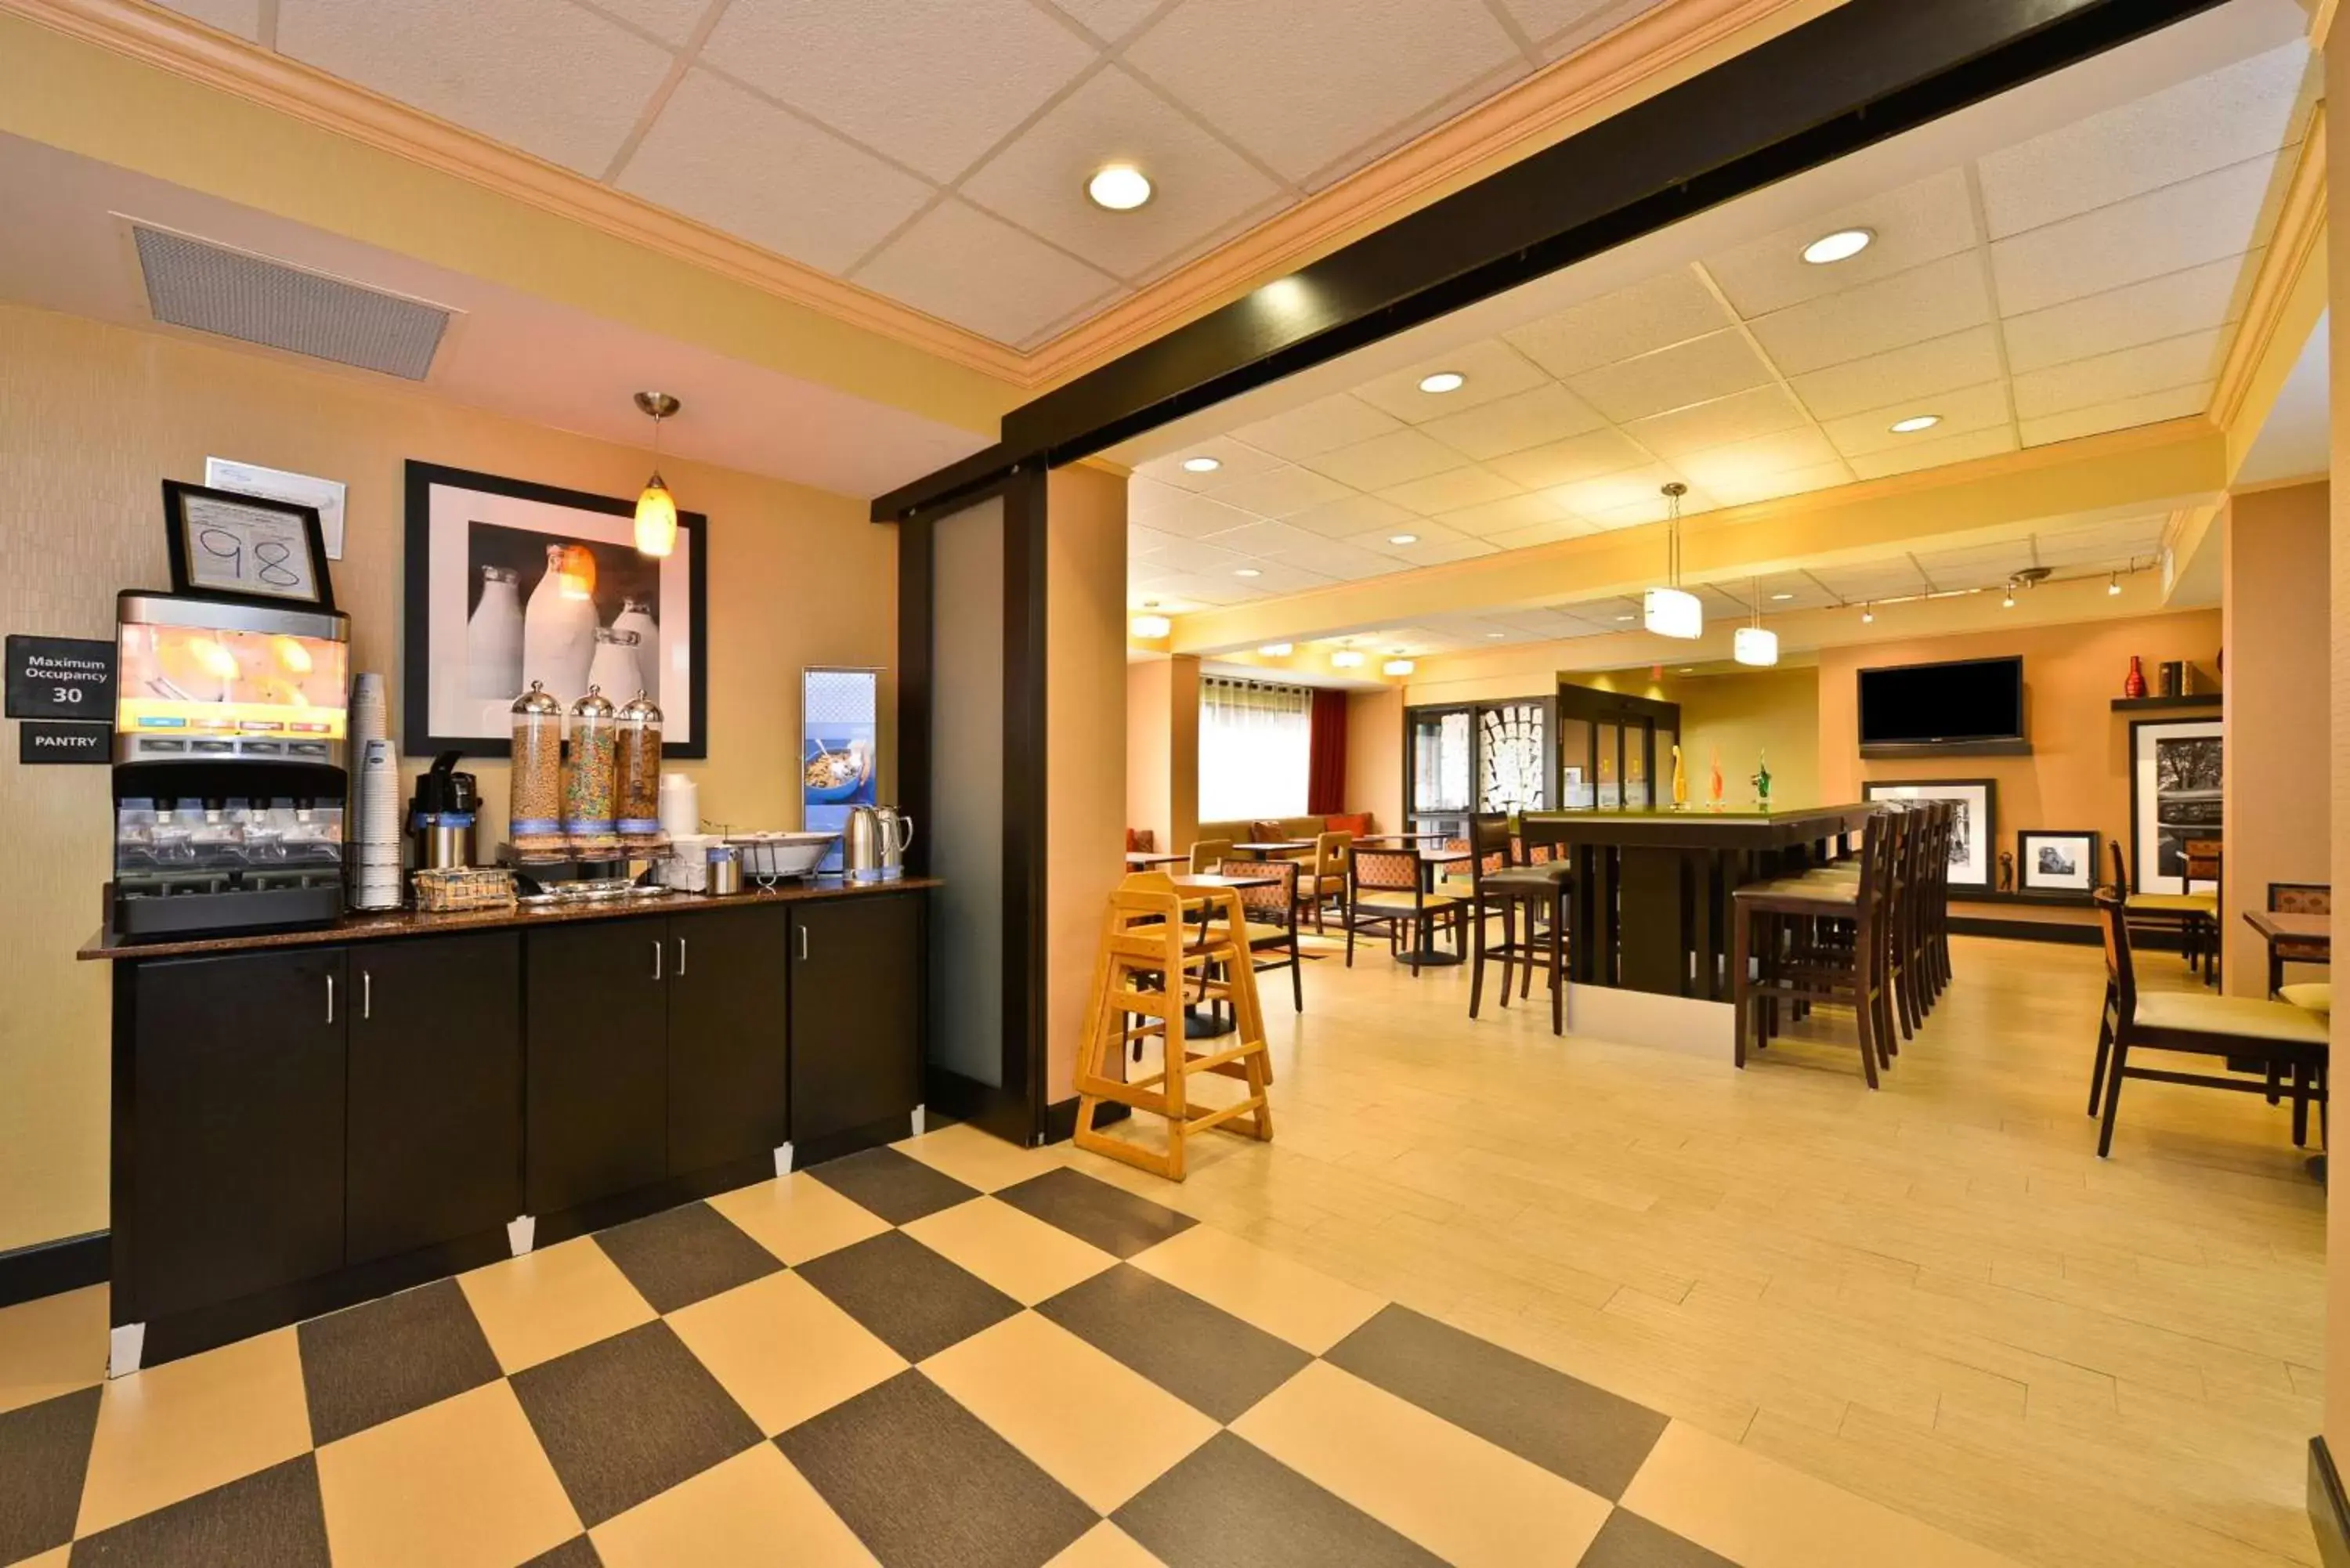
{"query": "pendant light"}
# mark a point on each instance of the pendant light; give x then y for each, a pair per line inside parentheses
(1670, 611)
(656, 508)
(1756, 644)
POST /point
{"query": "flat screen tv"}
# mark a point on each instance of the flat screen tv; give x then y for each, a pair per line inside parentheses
(1964, 702)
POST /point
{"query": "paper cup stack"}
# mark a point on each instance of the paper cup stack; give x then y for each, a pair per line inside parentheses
(372, 844)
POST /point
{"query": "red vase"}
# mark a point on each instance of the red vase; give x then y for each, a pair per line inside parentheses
(2134, 686)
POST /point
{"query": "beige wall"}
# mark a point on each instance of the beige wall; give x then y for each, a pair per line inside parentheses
(1147, 806)
(2274, 601)
(2077, 775)
(2338, 750)
(1374, 756)
(93, 417)
(1084, 780)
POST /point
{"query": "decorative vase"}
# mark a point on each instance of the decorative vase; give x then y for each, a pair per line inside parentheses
(2134, 685)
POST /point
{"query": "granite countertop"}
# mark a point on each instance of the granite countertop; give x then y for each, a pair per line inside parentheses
(364, 926)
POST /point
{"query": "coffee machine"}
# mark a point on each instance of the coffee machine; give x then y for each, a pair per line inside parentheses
(231, 774)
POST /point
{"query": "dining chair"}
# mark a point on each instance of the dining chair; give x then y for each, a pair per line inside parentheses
(1384, 893)
(1323, 880)
(1271, 915)
(1802, 940)
(2300, 898)
(2194, 917)
(1207, 854)
(1515, 893)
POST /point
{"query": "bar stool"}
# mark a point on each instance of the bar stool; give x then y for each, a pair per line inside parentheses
(1808, 939)
(1496, 886)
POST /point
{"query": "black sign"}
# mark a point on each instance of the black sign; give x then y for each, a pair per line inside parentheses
(61, 677)
(44, 740)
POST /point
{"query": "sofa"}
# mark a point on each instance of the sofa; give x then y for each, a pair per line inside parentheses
(1305, 828)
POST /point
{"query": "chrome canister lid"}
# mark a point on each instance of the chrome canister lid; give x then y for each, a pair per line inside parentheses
(640, 709)
(595, 705)
(537, 700)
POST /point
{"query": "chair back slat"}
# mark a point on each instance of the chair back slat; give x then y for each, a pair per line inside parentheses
(2121, 972)
(1277, 898)
(1389, 871)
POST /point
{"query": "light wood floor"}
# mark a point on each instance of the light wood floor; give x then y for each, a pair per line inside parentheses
(1936, 1295)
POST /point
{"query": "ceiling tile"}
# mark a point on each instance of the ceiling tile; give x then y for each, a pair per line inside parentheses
(1301, 84)
(1578, 458)
(1664, 310)
(740, 165)
(1323, 425)
(2240, 112)
(1194, 516)
(1235, 460)
(1434, 545)
(1489, 369)
(1935, 453)
(2176, 403)
(1282, 577)
(1689, 373)
(1395, 457)
(1559, 26)
(1614, 491)
(1962, 359)
(241, 18)
(931, 83)
(2211, 294)
(484, 68)
(1336, 558)
(1962, 411)
(670, 21)
(1279, 492)
(1536, 534)
(1744, 490)
(1492, 517)
(1451, 490)
(2189, 360)
(1929, 301)
(1203, 591)
(1740, 417)
(1548, 413)
(978, 272)
(1916, 223)
(1196, 557)
(1267, 538)
(1639, 507)
(1740, 464)
(1201, 186)
(1108, 19)
(2165, 231)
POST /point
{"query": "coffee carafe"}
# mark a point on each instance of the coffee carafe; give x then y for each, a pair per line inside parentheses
(863, 856)
(897, 831)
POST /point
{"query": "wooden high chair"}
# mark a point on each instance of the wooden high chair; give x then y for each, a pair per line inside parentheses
(1158, 944)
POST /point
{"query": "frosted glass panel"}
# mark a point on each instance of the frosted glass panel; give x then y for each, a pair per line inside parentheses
(967, 793)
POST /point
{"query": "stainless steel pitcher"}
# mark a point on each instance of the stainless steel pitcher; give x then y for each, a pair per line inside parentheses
(897, 836)
(865, 847)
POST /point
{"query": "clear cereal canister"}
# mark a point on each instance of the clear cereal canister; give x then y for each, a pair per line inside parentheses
(587, 779)
(536, 808)
(637, 784)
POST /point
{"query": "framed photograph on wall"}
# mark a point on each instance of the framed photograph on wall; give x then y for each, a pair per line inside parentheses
(2055, 862)
(245, 548)
(509, 582)
(1972, 835)
(2176, 789)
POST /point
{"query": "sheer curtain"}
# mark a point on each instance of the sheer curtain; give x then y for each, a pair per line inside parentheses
(1256, 748)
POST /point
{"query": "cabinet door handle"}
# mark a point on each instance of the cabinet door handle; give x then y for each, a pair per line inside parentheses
(657, 957)
(367, 994)
(803, 944)
(680, 957)
(330, 999)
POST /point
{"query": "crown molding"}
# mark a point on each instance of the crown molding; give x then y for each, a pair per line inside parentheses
(2301, 226)
(1635, 60)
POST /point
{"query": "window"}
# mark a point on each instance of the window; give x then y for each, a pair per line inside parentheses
(1256, 746)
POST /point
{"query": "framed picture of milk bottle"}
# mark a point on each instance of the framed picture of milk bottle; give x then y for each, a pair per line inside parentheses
(510, 582)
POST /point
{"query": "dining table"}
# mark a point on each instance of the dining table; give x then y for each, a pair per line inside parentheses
(1432, 862)
(2281, 927)
(1151, 859)
(1272, 848)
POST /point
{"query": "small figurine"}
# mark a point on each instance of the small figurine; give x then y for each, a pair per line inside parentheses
(1762, 782)
(2006, 871)
(1713, 783)
(1680, 782)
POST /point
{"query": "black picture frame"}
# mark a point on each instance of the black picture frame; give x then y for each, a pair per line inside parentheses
(2146, 872)
(419, 735)
(2085, 840)
(178, 493)
(1980, 838)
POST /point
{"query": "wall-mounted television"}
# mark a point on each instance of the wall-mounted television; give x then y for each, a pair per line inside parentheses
(1964, 703)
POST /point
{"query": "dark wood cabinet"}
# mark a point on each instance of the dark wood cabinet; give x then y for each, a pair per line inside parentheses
(857, 1000)
(435, 1092)
(729, 1061)
(596, 1043)
(235, 1089)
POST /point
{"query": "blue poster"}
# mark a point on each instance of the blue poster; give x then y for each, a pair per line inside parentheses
(839, 749)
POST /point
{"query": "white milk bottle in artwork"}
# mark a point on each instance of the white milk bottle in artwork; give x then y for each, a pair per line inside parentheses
(637, 616)
(618, 665)
(494, 638)
(558, 631)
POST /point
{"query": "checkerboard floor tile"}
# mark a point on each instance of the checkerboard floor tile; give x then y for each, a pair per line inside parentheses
(948, 1354)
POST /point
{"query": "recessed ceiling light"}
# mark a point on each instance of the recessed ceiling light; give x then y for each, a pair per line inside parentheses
(1120, 187)
(1688, 670)
(1841, 245)
(1780, 598)
(1915, 424)
(1200, 465)
(1442, 381)
(1403, 538)
(1627, 618)
(1497, 636)
(1247, 572)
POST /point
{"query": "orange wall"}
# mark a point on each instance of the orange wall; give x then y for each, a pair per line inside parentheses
(1147, 806)
(2077, 775)
(1374, 756)
(2274, 599)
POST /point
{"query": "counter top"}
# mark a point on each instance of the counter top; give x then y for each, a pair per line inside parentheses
(393, 923)
(1695, 829)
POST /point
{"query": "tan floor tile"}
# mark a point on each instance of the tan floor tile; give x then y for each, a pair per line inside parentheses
(1017, 1253)
(753, 1510)
(1303, 1306)
(798, 1217)
(188, 1426)
(977, 1159)
(1760, 1513)
(1098, 1428)
(55, 1559)
(1104, 1546)
(457, 1483)
(546, 1303)
(52, 1346)
(783, 1351)
(1465, 1500)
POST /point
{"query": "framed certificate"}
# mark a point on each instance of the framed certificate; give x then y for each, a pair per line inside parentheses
(225, 546)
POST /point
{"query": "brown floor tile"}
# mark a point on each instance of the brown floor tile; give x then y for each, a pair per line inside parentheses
(268, 1520)
(546, 1303)
(1627, 1541)
(1591, 1437)
(976, 1158)
(906, 1295)
(461, 1483)
(386, 1357)
(1198, 1353)
(629, 1418)
(1232, 1506)
(891, 1185)
(576, 1552)
(1303, 1306)
(753, 1511)
(44, 1452)
(52, 1345)
(1017, 1253)
(781, 1351)
(970, 1500)
(798, 1217)
(679, 1256)
(187, 1427)
(1117, 1222)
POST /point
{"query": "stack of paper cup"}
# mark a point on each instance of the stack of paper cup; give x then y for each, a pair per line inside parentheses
(374, 849)
(370, 712)
(681, 806)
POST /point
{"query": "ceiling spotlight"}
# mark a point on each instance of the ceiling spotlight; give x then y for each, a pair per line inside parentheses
(1627, 618)
(1403, 538)
(1841, 245)
(1868, 614)
(1246, 572)
(1396, 667)
(2114, 585)
(1150, 627)
(2007, 599)
(1915, 424)
(1120, 187)
(1278, 650)
(1780, 598)
(1200, 465)
(1346, 659)
(1442, 381)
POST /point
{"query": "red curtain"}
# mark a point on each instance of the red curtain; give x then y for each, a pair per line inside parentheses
(1326, 775)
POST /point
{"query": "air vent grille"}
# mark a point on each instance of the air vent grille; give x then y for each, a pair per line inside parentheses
(214, 289)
